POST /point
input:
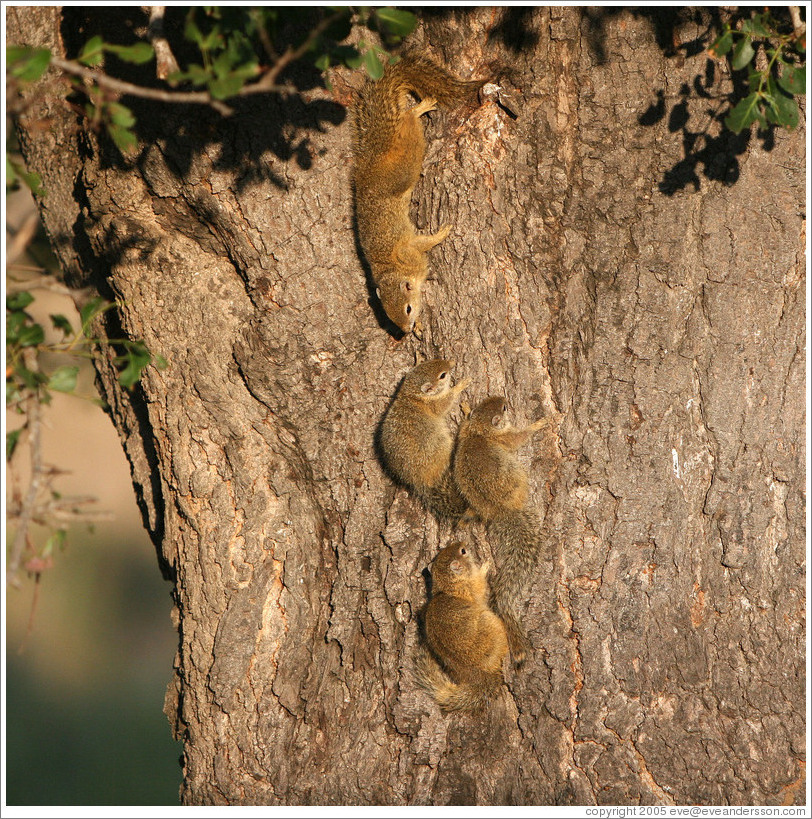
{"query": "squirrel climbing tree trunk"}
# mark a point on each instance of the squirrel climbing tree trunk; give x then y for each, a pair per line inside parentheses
(616, 262)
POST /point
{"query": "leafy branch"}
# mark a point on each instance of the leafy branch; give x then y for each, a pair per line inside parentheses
(24, 333)
(238, 58)
(29, 385)
(781, 77)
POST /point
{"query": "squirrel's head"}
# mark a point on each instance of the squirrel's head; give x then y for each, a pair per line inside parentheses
(490, 412)
(431, 378)
(401, 300)
(455, 563)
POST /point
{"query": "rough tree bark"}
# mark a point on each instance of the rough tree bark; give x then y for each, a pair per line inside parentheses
(609, 266)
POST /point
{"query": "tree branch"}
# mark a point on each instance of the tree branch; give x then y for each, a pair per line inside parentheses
(798, 25)
(29, 503)
(166, 63)
(268, 81)
(122, 87)
(193, 97)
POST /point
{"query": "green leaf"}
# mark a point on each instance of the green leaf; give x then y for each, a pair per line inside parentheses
(19, 301)
(136, 53)
(223, 64)
(29, 378)
(15, 321)
(12, 393)
(121, 115)
(225, 87)
(191, 30)
(34, 182)
(241, 53)
(196, 74)
(56, 540)
(60, 322)
(757, 26)
(11, 175)
(322, 62)
(743, 53)
(373, 65)
(31, 335)
(16, 171)
(125, 140)
(722, 44)
(348, 56)
(782, 108)
(755, 78)
(210, 40)
(12, 438)
(744, 114)
(137, 358)
(89, 312)
(93, 52)
(63, 379)
(793, 79)
(26, 63)
(396, 22)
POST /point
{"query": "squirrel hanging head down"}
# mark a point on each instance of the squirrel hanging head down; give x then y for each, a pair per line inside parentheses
(388, 149)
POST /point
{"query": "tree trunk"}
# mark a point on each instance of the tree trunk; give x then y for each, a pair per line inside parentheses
(617, 262)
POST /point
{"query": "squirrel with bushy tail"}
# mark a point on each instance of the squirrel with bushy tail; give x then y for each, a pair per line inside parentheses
(467, 641)
(389, 147)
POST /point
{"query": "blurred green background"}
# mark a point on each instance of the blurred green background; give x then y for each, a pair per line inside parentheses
(89, 650)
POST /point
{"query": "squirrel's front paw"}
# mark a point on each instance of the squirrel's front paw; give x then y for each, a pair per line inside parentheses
(443, 232)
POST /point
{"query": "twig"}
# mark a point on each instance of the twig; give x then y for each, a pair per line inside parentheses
(165, 59)
(268, 80)
(266, 85)
(29, 503)
(263, 37)
(22, 238)
(34, 600)
(44, 281)
(122, 87)
(798, 25)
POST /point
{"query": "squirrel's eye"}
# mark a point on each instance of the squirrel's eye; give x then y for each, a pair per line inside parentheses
(462, 551)
(408, 309)
(442, 376)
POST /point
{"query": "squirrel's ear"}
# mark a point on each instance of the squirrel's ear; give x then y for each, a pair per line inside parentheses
(406, 286)
(496, 419)
(455, 566)
(427, 387)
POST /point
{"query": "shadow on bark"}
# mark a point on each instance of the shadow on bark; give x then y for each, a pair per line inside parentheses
(266, 122)
(710, 148)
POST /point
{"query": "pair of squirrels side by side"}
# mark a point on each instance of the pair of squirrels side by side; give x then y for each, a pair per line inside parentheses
(469, 629)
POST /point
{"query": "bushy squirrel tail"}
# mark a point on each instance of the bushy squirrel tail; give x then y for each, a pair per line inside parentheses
(378, 105)
(418, 73)
(516, 543)
(444, 499)
(468, 695)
